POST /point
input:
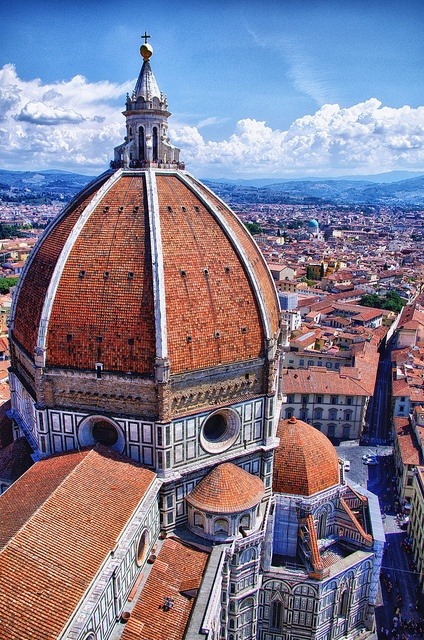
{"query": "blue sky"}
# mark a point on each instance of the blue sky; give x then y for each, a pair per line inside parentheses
(257, 89)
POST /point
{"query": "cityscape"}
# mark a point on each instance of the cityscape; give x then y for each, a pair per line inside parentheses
(212, 354)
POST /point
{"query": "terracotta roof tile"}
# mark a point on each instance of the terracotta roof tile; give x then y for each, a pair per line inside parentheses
(177, 565)
(227, 489)
(305, 461)
(74, 508)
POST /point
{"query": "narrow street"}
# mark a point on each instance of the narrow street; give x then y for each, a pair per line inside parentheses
(400, 616)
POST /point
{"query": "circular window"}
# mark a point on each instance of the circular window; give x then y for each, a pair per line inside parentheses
(105, 433)
(219, 431)
(101, 430)
(142, 548)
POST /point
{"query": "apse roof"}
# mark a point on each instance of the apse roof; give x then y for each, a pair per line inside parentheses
(227, 489)
(305, 462)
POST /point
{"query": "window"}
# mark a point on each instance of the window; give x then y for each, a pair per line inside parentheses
(305, 399)
(318, 426)
(221, 526)
(141, 155)
(347, 414)
(319, 399)
(276, 614)
(220, 430)
(142, 547)
(332, 414)
(333, 400)
(155, 144)
(402, 408)
(289, 412)
(290, 399)
(329, 365)
(331, 430)
(346, 431)
(349, 401)
(198, 521)
(344, 603)
(301, 362)
(310, 363)
(304, 414)
(318, 413)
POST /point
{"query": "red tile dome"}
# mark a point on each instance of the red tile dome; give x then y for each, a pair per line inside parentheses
(145, 265)
(305, 461)
(227, 489)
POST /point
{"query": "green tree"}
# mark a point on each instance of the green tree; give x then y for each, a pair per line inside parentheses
(7, 283)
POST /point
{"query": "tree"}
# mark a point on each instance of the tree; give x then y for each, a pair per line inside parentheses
(253, 227)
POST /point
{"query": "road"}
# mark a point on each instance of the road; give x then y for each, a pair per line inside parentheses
(398, 616)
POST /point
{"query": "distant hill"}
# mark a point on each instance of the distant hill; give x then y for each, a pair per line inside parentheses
(384, 189)
(40, 186)
(403, 193)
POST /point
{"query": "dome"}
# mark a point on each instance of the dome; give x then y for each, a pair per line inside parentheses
(227, 489)
(313, 224)
(305, 461)
(145, 265)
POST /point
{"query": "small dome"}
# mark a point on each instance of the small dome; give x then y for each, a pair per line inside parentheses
(227, 489)
(305, 461)
(313, 224)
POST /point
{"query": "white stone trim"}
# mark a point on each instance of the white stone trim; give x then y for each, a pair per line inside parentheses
(157, 265)
(191, 183)
(63, 257)
(37, 246)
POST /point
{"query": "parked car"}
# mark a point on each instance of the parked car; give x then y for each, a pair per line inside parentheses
(370, 459)
(346, 464)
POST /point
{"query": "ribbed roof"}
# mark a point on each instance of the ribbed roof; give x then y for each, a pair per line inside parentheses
(227, 489)
(305, 461)
(144, 267)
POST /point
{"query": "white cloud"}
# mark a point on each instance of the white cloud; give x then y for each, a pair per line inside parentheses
(71, 124)
(364, 138)
(75, 125)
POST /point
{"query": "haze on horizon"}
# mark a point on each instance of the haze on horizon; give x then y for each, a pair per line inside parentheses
(256, 89)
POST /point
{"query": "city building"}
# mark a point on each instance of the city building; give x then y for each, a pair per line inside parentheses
(167, 499)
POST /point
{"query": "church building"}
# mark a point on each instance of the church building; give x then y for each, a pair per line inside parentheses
(167, 499)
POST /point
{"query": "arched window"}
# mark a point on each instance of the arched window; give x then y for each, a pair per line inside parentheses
(332, 414)
(276, 614)
(322, 525)
(221, 526)
(318, 426)
(288, 412)
(199, 521)
(347, 414)
(318, 413)
(331, 430)
(344, 604)
(247, 555)
(155, 144)
(141, 144)
(245, 522)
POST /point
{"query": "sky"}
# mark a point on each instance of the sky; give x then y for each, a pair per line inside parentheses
(285, 88)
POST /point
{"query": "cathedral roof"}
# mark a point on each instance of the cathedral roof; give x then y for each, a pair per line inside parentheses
(177, 565)
(305, 461)
(60, 521)
(145, 264)
(227, 489)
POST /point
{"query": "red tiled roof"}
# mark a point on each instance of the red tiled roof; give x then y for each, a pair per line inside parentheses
(177, 566)
(305, 461)
(227, 489)
(59, 522)
(103, 309)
